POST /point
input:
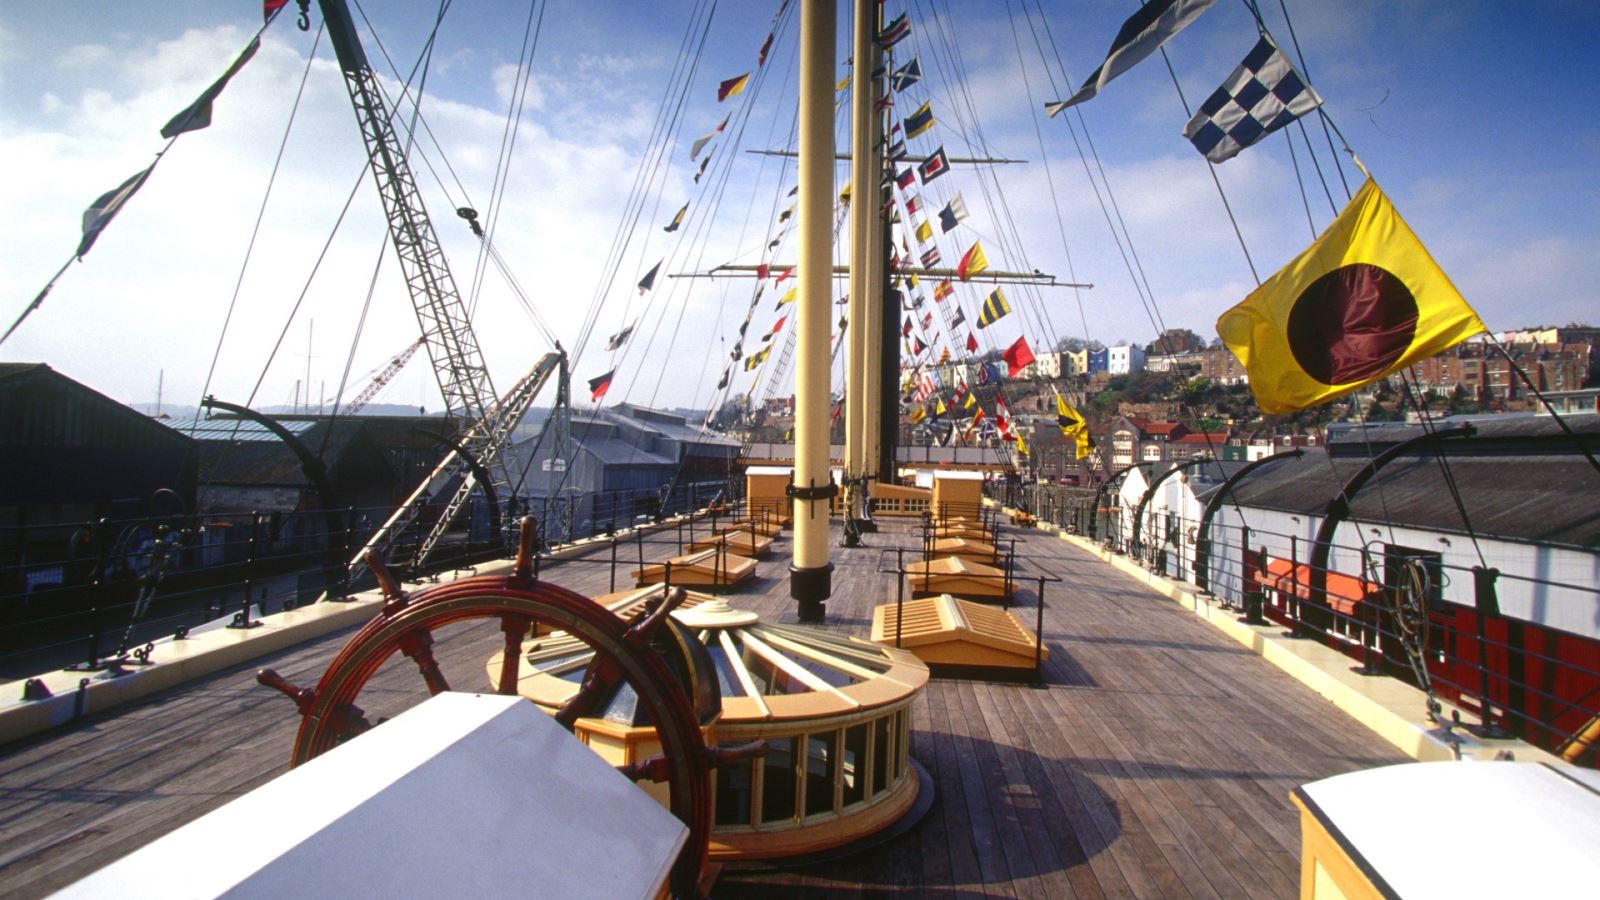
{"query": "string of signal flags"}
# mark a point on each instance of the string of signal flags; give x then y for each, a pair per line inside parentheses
(1365, 300)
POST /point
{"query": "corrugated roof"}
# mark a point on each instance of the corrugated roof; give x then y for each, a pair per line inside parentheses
(1539, 498)
(622, 453)
(243, 430)
(669, 425)
(1492, 432)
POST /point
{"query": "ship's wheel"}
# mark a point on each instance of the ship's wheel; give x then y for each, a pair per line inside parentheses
(410, 624)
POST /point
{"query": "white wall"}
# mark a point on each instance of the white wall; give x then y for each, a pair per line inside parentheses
(1539, 584)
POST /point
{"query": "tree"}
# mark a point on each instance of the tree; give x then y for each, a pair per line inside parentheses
(1176, 340)
(1074, 344)
(1462, 402)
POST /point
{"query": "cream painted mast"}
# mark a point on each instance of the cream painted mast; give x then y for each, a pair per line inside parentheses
(810, 572)
(866, 225)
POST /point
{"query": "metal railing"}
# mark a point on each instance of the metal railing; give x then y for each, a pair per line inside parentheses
(95, 595)
(1396, 612)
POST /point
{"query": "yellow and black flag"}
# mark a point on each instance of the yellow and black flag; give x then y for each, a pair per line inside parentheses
(1362, 301)
(754, 360)
(995, 307)
(1072, 425)
(1067, 418)
(676, 220)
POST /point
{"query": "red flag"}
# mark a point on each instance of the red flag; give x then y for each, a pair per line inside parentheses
(972, 262)
(1017, 356)
(972, 343)
(786, 273)
(268, 7)
(599, 386)
(766, 45)
(762, 271)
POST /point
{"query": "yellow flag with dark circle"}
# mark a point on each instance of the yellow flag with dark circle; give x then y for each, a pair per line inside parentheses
(1067, 418)
(1364, 300)
(994, 308)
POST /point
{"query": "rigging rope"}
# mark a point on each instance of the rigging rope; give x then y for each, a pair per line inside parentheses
(255, 229)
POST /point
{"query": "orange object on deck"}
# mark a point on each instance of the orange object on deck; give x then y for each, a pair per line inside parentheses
(1344, 592)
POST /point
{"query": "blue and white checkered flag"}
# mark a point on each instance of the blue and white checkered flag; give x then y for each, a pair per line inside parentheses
(1262, 95)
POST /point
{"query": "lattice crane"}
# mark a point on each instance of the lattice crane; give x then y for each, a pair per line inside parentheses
(383, 378)
(458, 364)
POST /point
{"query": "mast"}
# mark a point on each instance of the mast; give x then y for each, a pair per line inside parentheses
(810, 573)
(864, 227)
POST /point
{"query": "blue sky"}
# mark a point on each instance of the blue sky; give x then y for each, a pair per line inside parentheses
(1477, 119)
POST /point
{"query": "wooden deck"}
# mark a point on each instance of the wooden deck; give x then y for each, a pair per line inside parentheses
(1155, 762)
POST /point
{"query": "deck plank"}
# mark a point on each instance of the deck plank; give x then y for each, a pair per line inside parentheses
(1155, 761)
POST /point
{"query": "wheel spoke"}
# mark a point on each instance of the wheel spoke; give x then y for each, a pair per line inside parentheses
(418, 646)
(515, 627)
(598, 681)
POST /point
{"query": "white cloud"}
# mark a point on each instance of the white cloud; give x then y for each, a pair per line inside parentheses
(152, 293)
(85, 56)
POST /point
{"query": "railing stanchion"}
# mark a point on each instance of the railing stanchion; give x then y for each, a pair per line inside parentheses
(1038, 636)
(899, 592)
(1487, 603)
(1254, 594)
(613, 563)
(1296, 629)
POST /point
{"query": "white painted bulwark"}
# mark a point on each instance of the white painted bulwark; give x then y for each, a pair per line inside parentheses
(465, 795)
(1523, 829)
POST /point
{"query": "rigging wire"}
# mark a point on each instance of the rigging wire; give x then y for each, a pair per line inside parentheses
(255, 229)
(1415, 393)
(1295, 39)
(1033, 309)
(305, 288)
(1211, 168)
(651, 167)
(1300, 182)
(396, 105)
(698, 238)
(518, 98)
(1044, 156)
(377, 266)
(1123, 247)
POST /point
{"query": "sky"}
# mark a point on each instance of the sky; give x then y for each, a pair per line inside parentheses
(1476, 118)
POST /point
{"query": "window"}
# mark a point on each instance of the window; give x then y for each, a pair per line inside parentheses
(880, 755)
(821, 750)
(855, 764)
(733, 793)
(778, 781)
